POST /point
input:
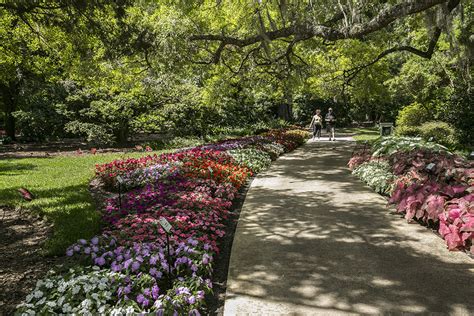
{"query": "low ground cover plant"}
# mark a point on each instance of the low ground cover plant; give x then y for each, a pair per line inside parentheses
(377, 174)
(130, 267)
(429, 184)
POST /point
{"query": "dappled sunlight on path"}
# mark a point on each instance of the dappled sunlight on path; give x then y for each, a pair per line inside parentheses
(312, 239)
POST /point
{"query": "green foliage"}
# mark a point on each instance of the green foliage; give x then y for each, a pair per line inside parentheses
(94, 133)
(410, 131)
(386, 146)
(439, 132)
(377, 174)
(413, 115)
(459, 112)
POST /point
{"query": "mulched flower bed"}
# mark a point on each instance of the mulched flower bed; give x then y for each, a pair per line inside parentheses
(133, 266)
(23, 234)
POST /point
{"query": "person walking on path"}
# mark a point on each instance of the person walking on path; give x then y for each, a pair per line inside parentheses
(330, 124)
(317, 124)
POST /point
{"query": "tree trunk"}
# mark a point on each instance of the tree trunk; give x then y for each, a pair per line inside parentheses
(9, 106)
(122, 134)
(284, 109)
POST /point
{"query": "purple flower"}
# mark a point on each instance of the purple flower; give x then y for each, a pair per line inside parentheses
(193, 242)
(127, 263)
(155, 291)
(95, 240)
(116, 267)
(191, 300)
(135, 266)
(87, 250)
(100, 261)
(140, 298)
(194, 268)
(200, 295)
(205, 259)
(153, 260)
(95, 248)
(127, 289)
(82, 241)
(77, 248)
(69, 252)
(194, 312)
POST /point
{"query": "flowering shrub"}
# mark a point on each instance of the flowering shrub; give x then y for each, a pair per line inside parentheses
(149, 175)
(288, 139)
(256, 160)
(193, 190)
(108, 171)
(272, 149)
(376, 174)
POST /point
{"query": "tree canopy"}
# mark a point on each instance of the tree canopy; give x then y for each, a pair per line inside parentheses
(106, 69)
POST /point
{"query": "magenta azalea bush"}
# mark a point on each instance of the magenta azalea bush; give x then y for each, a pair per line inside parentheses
(430, 185)
(139, 271)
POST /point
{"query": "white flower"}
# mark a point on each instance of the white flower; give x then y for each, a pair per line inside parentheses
(130, 311)
(76, 289)
(102, 286)
(41, 301)
(61, 300)
(49, 285)
(51, 304)
(67, 308)
(38, 294)
(62, 287)
(86, 303)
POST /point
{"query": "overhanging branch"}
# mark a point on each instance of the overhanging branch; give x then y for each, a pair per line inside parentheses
(307, 30)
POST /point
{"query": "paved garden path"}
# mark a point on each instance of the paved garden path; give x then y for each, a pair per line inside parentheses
(314, 240)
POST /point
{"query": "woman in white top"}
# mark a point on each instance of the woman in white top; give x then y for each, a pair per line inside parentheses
(316, 124)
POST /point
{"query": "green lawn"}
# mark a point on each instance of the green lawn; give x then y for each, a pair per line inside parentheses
(362, 134)
(60, 185)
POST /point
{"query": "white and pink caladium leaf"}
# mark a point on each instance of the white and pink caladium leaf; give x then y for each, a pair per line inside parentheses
(453, 238)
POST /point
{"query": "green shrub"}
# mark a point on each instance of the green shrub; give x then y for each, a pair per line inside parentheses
(439, 132)
(410, 131)
(93, 133)
(459, 112)
(413, 115)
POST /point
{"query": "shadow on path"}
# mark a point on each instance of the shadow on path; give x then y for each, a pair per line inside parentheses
(312, 239)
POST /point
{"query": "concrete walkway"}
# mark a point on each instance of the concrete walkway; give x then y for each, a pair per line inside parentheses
(314, 240)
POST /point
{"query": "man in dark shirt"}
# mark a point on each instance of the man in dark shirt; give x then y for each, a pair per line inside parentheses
(330, 123)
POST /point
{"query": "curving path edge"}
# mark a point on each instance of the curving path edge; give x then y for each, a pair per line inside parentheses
(314, 240)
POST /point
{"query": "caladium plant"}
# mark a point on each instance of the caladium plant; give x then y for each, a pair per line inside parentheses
(457, 223)
(430, 184)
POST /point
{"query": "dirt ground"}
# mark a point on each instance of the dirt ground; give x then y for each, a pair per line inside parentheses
(22, 263)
